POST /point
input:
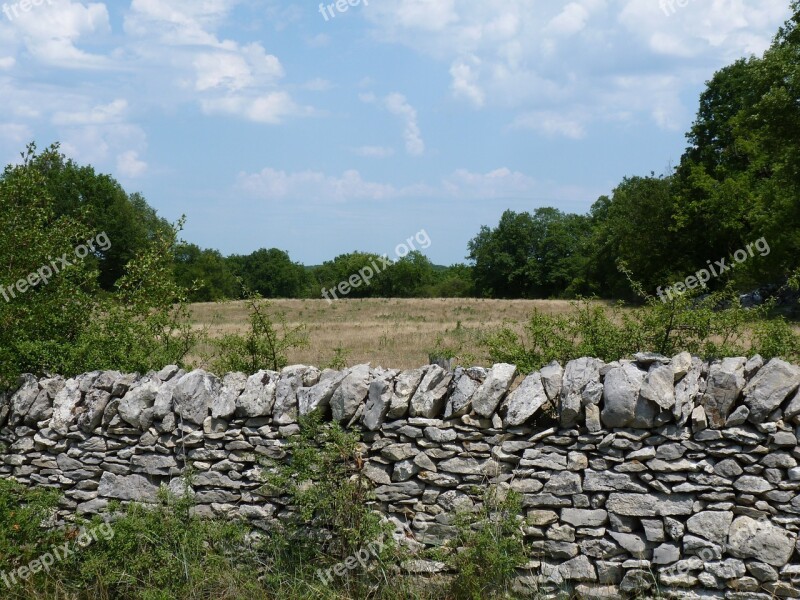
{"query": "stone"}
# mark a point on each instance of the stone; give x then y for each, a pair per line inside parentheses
(738, 417)
(565, 483)
(552, 375)
(224, 405)
(634, 543)
(623, 406)
(712, 525)
(636, 581)
(728, 468)
(194, 394)
(699, 419)
(584, 518)
(319, 395)
(687, 391)
(666, 554)
(130, 487)
(577, 569)
(577, 375)
(153, 464)
(525, 401)
(649, 505)
(493, 389)
(95, 404)
(751, 484)
(405, 387)
(429, 400)
(725, 384)
(379, 401)
(285, 410)
(769, 388)
(138, 398)
(730, 568)
(760, 540)
(659, 387)
(681, 365)
(460, 401)
(64, 407)
(351, 393)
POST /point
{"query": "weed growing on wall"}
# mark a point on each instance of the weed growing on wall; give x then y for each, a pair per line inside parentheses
(491, 545)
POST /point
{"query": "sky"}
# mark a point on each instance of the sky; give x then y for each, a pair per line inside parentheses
(324, 129)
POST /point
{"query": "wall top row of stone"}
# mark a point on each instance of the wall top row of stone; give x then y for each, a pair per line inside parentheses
(645, 392)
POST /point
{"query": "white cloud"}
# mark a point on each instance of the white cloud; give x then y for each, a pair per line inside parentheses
(465, 81)
(270, 108)
(271, 184)
(398, 105)
(374, 151)
(564, 66)
(227, 77)
(129, 165)
(236, 70)
(51, 33)
(569, 21)
(15, 133)
(96, 115)
(7, 62)
(552, 124)
(461, 185)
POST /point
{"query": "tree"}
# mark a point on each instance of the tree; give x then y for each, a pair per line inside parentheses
(206, 273)
(101, 203)
(271, 273)
(53, 319)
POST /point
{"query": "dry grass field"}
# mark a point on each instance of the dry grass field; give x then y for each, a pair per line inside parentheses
(396, 333)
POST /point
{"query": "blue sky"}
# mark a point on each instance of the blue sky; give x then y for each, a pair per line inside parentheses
(270, 126)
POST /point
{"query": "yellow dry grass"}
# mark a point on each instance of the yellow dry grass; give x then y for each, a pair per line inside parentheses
(396, 333)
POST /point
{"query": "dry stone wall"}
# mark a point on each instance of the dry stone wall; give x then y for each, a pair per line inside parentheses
(669, 468)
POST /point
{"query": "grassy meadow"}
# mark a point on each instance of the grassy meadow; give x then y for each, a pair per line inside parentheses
(395, 333)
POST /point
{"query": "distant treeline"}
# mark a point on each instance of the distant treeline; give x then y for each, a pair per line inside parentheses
(737, 182)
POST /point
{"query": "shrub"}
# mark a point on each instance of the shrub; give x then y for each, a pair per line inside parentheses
(712, 326)
(330, 498)
(263, 346)
(492, 546)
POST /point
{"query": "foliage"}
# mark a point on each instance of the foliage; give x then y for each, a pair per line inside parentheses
(270, 273)
(67, 325)
(36, 327)
(22, 515)
(264, 346)
(206, 273)
(712, 326)
(492, 545)
(100, 203)
(336, 504)
(146, 323)
(339, 360)
(529, 256)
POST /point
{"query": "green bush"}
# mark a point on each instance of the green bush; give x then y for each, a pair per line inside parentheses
(69, 325)
(712, 326)
(263, 346)
(492, 546)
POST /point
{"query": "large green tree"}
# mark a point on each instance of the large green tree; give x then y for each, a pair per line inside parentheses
(100, 202)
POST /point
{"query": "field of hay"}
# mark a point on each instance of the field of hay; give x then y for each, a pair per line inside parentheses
(395, 333)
